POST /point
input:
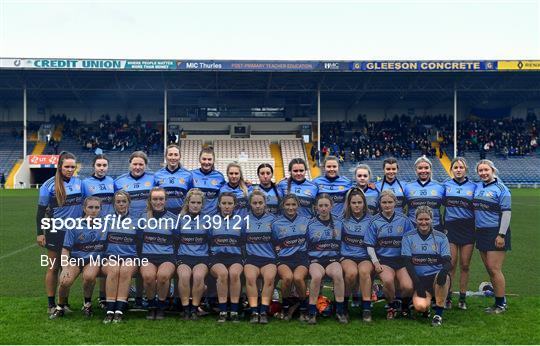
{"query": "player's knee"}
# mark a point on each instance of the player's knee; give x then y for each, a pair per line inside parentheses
(464, 268)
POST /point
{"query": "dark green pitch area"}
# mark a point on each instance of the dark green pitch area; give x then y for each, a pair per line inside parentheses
(23, 319)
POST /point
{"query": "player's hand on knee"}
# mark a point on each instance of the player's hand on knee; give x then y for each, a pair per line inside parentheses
(41, 240)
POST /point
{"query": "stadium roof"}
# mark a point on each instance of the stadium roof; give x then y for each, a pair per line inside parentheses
(346, 83)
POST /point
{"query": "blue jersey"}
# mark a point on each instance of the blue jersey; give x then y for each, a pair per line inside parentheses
(426, 251)
(258, 236)
(226, 235)
(397, 187)
(337, 188)
(372, 199)
(429, 194)
(324, 237)
(352, 236)
(241, 207)
(273, 198)
(176, 183)
(458, 200)
(122, 238)
(72, 207)
(490, 200)
(194, 233)
(385, 235)
(290, 234)
(85, 242)
(102, 188)
(209, 183)
(306, 191)
(138, 189)
(158, 234)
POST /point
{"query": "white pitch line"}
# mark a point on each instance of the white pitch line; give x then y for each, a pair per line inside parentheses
(17, 251)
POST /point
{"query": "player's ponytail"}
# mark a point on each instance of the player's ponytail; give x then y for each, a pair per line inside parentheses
(59, 188)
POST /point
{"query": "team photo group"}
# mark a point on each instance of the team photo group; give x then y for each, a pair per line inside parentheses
(203, 237)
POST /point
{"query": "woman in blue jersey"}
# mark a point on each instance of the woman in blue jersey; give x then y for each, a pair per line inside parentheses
(238, 187)
(355, 261)
(60, 199)
(208, 180)
(260, 257)
(265, 172)
(289, 233)
(459, 224)
(383, 242)
(137, 183)
(424, 191)
(121, 245)
(333, 184)
(157, 250)
(362, 175)
(492, 205)
(427, 258)
(100, 185)
(298, 185)
(226, 232)
(174, 179)
(81, 253)
(192, 255)
(391, 182)
(323, 242)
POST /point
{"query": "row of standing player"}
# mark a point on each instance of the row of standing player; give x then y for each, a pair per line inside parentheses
(491, 199)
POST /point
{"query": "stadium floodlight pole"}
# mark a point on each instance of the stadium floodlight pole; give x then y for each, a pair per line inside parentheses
(319, 123)
(165, 130)
(455, 122)
(24, 123)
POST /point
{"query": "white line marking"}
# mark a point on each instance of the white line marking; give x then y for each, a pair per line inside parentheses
(18, 251)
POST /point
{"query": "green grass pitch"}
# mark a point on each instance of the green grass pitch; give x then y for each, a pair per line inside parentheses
(23, 319)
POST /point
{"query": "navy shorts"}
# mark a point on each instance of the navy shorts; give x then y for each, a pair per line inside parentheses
(485, 239)
(324, 261)
(460, 232)
(227, 259)
(395, 263)
(426, 283)
(158, 260)
(259, 261)
(192, 261)
(54, 241)
(294, 261)
(356, 260)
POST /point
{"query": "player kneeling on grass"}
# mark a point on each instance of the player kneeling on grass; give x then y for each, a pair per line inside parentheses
(121, 244)
(82, 249)
(383, 241)
(426, 253)
(324, 241)
(157, 247)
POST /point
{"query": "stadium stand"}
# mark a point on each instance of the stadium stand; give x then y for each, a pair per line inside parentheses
(11, 147)
(290, 149)
(189, 151)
